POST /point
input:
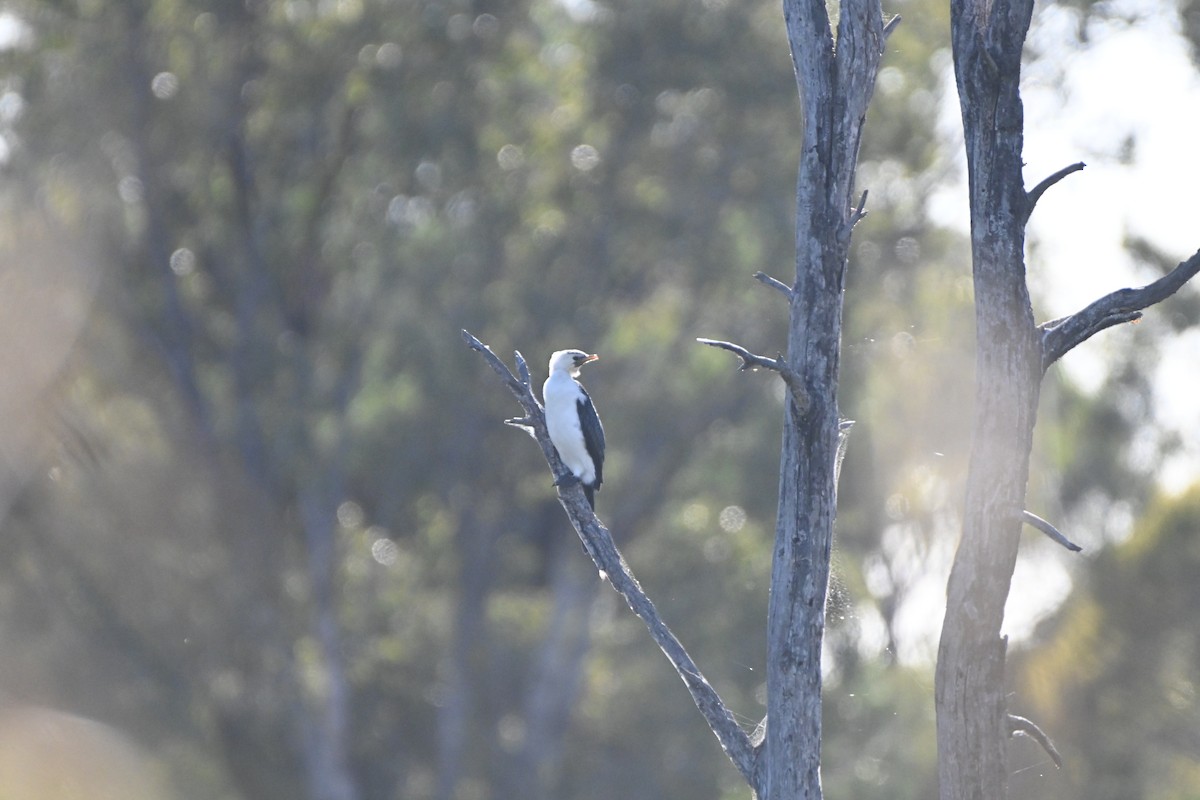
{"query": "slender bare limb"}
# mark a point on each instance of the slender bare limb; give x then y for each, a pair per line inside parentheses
(779, 364)
(523, 423)
(774, 283)
(598, 543)
(1124, 305)
(500, 368)
(1033, 520)
(1021, 725)
(891, 26)
(1036, 193)
(749, 360)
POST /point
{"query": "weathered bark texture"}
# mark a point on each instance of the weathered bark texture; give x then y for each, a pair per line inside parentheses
(1013, 352)
(835, 82)
(972, 732)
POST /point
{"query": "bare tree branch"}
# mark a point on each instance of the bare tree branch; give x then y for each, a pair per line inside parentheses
(522, 368)
(749, 360)
(1124, 305)
(1045, 527)
(521, 390)
(598, 543)
(779, 364)
(1021, 725)
(1036, 193)
(774, 283)
(891, 26)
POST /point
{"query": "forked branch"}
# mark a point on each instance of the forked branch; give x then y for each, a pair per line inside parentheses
(856, 216)
(598, 543)
(754, 361)
(748, 360)
(1060, 336)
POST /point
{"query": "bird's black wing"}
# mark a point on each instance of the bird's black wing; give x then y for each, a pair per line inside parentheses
(593, 434)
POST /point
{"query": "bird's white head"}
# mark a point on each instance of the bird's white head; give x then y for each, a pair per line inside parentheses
(570, 361)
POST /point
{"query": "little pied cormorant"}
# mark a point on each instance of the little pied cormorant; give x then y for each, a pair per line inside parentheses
(571, 419)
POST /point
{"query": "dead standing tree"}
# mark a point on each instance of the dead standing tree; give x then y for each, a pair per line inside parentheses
(1013, 354)
(835, 78)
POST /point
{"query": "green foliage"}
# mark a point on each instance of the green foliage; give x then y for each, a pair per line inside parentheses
(264, 224)
(294, 207)
(1114, 672)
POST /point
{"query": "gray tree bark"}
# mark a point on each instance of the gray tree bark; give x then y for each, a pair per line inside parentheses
(970, 673)
(835, 81)
(973, 724)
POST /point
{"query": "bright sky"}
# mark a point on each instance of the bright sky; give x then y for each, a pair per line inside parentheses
(1131, 80)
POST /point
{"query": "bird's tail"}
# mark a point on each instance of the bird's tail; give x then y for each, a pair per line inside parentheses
(590, 494)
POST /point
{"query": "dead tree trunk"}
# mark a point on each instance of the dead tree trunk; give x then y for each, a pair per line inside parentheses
(970, 674)
(835, 81)
(1013, 352)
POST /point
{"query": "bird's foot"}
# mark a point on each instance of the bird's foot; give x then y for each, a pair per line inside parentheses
(568, 479)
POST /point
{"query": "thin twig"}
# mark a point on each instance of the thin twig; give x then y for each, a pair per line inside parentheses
(890, 27)
(1033, 520)
(1036, 193)
(1124, 305)
(774, 283)
(522, 423)
(498, 366)
(598, 543)
(1023, 726)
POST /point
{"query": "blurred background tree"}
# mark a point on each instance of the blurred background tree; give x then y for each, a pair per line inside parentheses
(261, 514)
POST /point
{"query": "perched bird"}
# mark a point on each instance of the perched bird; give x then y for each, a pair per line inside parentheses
(571, 419)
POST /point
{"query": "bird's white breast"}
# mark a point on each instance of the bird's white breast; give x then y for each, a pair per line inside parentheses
(561, 395)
